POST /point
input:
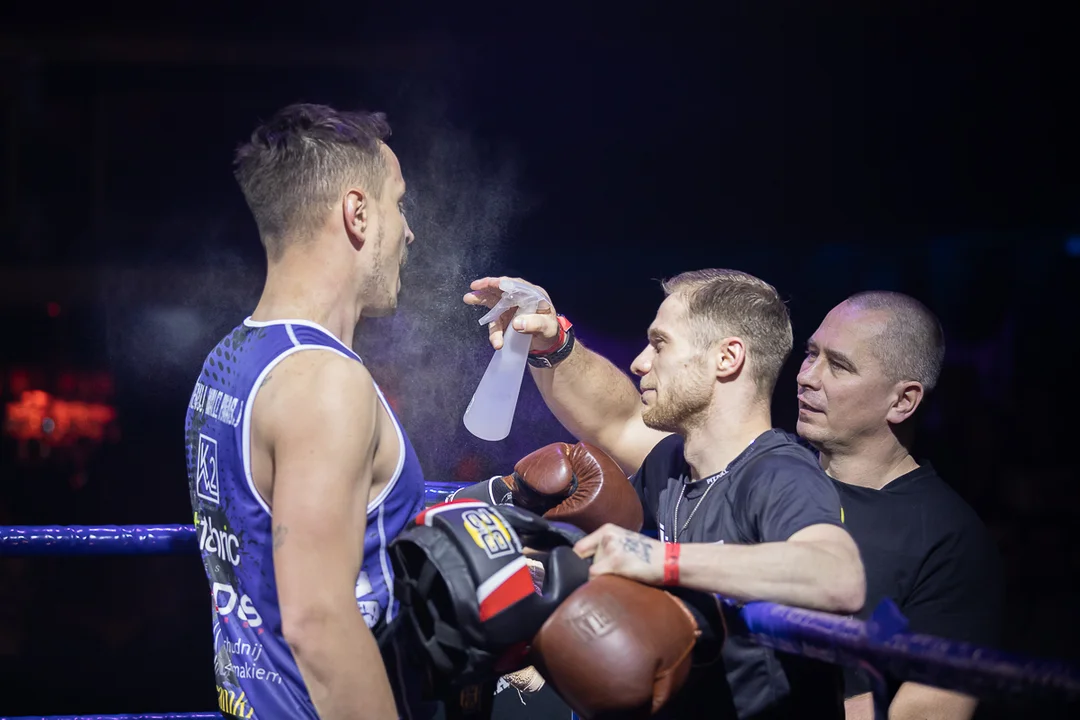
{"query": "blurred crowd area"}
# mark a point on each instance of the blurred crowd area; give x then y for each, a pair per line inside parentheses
(997, 429)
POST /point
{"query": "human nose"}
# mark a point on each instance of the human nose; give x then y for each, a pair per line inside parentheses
(808, 376)
(409, 237)
(642, 363)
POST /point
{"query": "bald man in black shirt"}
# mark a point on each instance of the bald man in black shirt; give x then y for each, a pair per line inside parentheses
(867, 369)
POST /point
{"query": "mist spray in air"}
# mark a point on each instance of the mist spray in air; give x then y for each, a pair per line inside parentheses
(491, 411)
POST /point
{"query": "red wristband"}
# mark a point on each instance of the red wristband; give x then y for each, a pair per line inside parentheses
(671, 563)
(560, 339)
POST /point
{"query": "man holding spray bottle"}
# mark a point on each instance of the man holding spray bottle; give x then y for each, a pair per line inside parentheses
(739, 508)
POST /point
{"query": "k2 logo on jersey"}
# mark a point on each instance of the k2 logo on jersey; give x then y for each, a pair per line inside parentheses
(206, 486)
(488, 531)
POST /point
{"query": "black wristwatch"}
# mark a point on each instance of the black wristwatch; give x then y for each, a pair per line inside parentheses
(553, 358)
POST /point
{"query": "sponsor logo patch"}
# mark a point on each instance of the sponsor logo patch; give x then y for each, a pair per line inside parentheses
(488, 532)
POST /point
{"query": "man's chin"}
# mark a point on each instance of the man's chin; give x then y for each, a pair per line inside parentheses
(809, 432)
(656, 421)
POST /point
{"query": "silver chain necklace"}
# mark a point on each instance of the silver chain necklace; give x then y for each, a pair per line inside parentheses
(715, 480)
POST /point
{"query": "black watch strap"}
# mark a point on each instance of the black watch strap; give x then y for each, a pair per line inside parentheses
(553, 358)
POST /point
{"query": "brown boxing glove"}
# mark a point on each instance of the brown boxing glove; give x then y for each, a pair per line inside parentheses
(616, 648)
(577, 484)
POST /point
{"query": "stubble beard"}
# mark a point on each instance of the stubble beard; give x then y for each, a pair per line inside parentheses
(680, 411)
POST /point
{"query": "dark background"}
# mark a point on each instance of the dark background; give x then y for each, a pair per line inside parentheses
(826, 147)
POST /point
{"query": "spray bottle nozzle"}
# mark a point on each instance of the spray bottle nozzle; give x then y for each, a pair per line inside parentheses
(515, 294)
(491, 411)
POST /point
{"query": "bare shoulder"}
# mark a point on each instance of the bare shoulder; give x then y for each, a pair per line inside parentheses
(316, 389)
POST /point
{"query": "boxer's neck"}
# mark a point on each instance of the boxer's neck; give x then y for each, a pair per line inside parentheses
(712, 444)
(305, 286)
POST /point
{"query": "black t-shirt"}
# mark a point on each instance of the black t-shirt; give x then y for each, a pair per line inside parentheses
(771, 491)
(927, 550)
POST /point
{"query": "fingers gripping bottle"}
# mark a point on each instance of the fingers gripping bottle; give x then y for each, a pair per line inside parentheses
(491, 411)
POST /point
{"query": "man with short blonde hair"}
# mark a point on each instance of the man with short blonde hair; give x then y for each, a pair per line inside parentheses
(729, 302)
(740, 508)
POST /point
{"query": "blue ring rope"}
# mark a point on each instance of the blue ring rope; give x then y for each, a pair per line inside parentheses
(38, 540)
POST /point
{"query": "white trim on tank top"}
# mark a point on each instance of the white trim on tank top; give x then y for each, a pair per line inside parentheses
(246, 438)
(384, 564)
(306, 323)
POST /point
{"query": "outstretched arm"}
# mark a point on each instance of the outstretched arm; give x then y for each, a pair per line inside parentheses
(590, 397)
(817, 568)
(320, 418)
(799, 555)
(597, 403)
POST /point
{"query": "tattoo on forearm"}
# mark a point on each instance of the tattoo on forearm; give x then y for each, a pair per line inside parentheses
(637, 546)
(279, 536)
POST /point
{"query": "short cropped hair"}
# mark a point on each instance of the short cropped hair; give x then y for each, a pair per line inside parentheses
(723, 303)
(912, 346)
(295, 166)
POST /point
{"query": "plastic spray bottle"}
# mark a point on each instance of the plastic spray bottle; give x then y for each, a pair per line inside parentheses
(491, 411)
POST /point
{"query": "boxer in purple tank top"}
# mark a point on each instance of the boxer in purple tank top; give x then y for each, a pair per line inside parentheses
(300, 474)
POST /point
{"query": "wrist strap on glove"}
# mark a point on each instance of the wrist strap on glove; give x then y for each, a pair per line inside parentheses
(494, 491)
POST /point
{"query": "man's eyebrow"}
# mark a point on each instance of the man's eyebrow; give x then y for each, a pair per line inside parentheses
(833, 355)
(657, 334)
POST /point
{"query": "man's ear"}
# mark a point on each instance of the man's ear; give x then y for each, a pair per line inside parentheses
(354, 212)
(909, 396)
(730, 355)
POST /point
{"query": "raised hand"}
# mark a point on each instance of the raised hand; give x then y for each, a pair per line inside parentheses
(542, 325)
